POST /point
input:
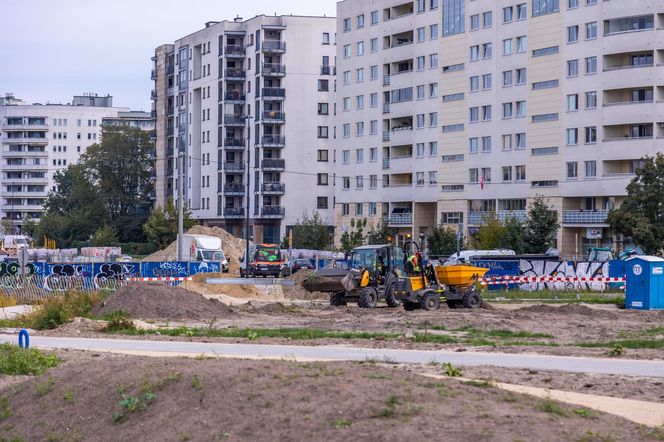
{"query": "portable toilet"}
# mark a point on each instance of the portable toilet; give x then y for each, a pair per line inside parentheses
(645, 283)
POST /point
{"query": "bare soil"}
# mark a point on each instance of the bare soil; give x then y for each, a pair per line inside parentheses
(161, 301)
(179, 399)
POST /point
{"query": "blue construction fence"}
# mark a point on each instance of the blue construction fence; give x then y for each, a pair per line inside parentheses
(98, 275)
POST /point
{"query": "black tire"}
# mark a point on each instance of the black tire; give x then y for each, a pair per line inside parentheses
(430, 301)
(368, 298)
(410, 306)
(338, 299)
(389, 297)
(472, 300)
(454, 304)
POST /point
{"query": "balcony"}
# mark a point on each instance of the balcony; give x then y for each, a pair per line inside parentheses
(273, 211)
(234, 120)
(234, 143)
(235, 167)
(10, 167)
(235, 74)
(273, 70)
(25, 194)
(585, 217)
(273, 141)
(386, 135)
(236, 97)
(273, 93)
(400, 219)
(153, 94)
(153, 74)
(504, 215)
(273, 116)
(386, 163)
(30, 124)
(477, 218)
(273, 188)
(386, 108)
(386, 80)
(234, 51)
(234, 212)
(328, 70)
(273, 46)
(24, 154)
(237, 189)
(25, 140)
(273, 164)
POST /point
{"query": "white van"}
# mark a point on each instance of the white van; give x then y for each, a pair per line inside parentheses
(468, 255)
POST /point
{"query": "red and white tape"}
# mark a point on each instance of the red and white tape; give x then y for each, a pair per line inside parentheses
(161, 279)
(537, 279)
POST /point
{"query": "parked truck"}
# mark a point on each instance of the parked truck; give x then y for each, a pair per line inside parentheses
(264, 260)
(11, 244)
(203, 248)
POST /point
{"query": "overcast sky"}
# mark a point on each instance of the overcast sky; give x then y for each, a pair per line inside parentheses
(54, 49)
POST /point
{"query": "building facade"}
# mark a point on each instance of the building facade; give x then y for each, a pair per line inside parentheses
(387, 114)
(559, 98)
(39, 140)
(248, 102)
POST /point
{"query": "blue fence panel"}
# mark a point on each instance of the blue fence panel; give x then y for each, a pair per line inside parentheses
(65, 276)
(204, 267)
(499, 268)
(109, 275)
(173, 269)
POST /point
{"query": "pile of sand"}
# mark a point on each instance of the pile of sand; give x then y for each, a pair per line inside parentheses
(569, 309)
(240, 291)
(161, 301)
(233, 247)
(298, 291)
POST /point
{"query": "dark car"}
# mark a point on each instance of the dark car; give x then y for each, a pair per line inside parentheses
(297, 264)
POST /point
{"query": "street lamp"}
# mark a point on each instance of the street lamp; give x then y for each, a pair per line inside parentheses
(247, 119)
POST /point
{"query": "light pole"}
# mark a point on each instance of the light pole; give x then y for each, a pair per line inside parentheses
(246, 225)
(180, 204)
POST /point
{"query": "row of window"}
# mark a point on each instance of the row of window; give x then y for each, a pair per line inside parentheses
(432, 176)
(484, 144)
(63, 122)
(421, 121)
(359, 209)
(420, 151)
(420, 7)
(63, 136)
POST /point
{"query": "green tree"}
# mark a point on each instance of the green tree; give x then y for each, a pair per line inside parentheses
(443, 241)
(311, 233)
(354, 238)
(541, 226)
(491, 233)
(641, 215)
(513, 235)
(161, 228)
(29, 226)
(381, 233)
(105, 236)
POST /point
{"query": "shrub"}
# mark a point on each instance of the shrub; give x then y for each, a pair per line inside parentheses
(57, 311)
(15, 361)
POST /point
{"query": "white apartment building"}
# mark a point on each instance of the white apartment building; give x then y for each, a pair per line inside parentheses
(560, 98)
(257, 91)
(387, 119)
(39, 140)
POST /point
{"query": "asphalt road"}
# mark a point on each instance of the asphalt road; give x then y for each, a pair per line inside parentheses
(340, 353)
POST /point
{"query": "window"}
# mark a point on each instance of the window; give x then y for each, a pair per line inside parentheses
(420, 34)
(359, 102)
(453, 17)
(487, 19)
(373, 181)
(572, 34)
(486, 113)
(541, 118)
(474, 22)
(346, 104)
(546, 51)
(359, 128)
(433, 61)
(572, 68)
(486, 50)
(520, 141)
(474, 114)
(507, 110)
(373, 99)
(433, 148)
(520, 109)
(419, 121)
(420, 63)
(591, 65)
(321, 202)
(346, 51)
(543, 7)
(359, 155)
(358, 208)
(521, 43)
(572, 4)
(373, 127)
(591, 30)
(359, 74)
(486, 174)
(345, 209)
(433, 177)
(373, 154)
(323, 156)
(452, 217)
(453, 97)
(572, 169)
(572, 102)
(326, 38)
(474, 83)
(507, 173)
(591, 169)
(374, 17)
(433, 90)
(636, 23)
(323, 85)
(373, 45)
(323, 109)
(433, 119)
(323, 131)
(591, 100)
(419, 92)
(346, 182)
(521, 11)
(572, 136)
(346, 130)
(360, 48)
(486, 144)
(521, 76)
(360, 21)
(473, 176)
(322, 179)
(453, 68)
(520, 172)
(373, 72)
(346, 24)
(433, 32)
(474, 53)
(346, 76)
(452, 158)
(419, 178)
(507, 142)
(420, 6)
(508, 14)
(473, 145)
(346, 156)
(507, 78)
(359, 183)
(486, 81)
(591, 134)
(507, 46)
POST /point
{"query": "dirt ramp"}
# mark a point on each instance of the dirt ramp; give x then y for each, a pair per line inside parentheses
(161, 301)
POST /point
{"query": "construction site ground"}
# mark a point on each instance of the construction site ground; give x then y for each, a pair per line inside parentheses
(107, 397)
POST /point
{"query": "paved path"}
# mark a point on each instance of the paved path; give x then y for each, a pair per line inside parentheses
(341, 353)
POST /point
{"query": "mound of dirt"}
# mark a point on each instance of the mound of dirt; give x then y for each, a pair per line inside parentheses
(568, 309)
(298, 291)
(161, 301)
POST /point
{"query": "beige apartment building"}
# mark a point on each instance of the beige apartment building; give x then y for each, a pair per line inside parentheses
(560, 98)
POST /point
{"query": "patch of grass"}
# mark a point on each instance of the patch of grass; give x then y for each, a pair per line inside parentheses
(451, 370)
(17, 322)
(342, 423)
(591, 436)
(434, 338)
(44, 388)
(15, 361)
(585, 412)
(509, 397)
(184, 436)
(196, 383)
(5, 410)
(550, 406)
(556, 296)
(390, 407)
(60, 310)
(633, 344)
(7, 300)
(11, 439)
(616, 351)
(69, 397)
(118, 320)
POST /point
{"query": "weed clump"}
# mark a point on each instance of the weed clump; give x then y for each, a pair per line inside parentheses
(15, 361)
(57, 311)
